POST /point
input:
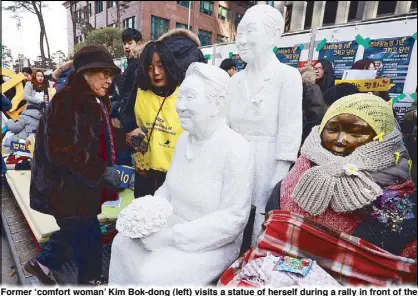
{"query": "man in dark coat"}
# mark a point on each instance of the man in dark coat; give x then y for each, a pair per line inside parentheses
(313, 104)
(72, 170)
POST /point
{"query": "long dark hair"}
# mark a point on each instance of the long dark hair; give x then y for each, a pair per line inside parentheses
(328, 80)
(173, 72)
(363, 64)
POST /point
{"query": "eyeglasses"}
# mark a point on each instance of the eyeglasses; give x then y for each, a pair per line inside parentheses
(108, 74)
(318, 68)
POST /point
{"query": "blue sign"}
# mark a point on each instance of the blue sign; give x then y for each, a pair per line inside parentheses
(125, 174)
(18, 147)
(289, 55)
(239, 64)
(340, 54)
(391, 57)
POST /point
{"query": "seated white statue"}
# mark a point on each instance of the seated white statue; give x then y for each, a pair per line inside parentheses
(209, 186)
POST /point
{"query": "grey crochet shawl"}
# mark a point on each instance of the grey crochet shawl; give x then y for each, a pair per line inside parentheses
(344, 183)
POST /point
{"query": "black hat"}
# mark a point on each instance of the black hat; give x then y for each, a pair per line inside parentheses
(94, 57)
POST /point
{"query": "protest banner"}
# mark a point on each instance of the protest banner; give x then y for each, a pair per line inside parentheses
(289, 55)
(340, 54)
(381, 84)
(391, 57)
(239, 64)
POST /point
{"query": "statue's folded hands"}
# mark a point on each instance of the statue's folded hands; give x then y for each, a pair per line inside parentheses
(162, 238)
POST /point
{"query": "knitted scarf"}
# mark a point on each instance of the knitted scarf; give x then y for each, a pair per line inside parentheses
(344, 183)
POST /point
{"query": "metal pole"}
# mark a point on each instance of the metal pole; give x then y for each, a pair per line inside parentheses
(190, 11)
(312, 46)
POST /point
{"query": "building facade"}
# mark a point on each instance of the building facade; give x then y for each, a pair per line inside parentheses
(305, 15)
(216, 21)
(212, 21)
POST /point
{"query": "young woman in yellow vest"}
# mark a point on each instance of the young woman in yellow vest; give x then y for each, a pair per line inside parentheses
(159, 128)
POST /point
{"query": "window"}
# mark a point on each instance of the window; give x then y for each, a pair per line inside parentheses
(79, 39)
(309, 14)
(99, 6)
(129, 23)
(221, 39)
(206, 7)
(159, 26)
(224, 13)
(413, 6)
(387, 7)
(205, 37)
(238, 18)
(90, 10)
(183, 26)
(78, 16)
(271, 3)
(111, 4)
(330, 12)
(185, 3)
(288, 17)
(352, 11)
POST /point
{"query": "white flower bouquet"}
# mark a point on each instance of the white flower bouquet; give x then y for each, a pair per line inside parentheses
(144, 216)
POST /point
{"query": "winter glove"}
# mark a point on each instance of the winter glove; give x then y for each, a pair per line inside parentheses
(111, 177)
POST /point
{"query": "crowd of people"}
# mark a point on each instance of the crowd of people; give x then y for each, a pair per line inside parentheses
(348, 174)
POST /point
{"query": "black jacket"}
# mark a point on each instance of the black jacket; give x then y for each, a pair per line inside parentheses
(313, 108)
(66, 179)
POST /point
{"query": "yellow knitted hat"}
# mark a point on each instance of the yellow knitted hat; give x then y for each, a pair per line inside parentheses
(370, 108)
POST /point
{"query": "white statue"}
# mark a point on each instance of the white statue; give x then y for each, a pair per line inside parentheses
(209, 186)
(265, 103)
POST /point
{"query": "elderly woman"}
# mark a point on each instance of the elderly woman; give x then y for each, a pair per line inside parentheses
(72, 173)
(265, 103)
(208, 185)
(349, 202)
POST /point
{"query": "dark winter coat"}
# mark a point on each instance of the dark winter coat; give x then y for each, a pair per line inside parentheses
(67, 170)
(313, 105)
(122, 87)
(61, 75)
(328, 80)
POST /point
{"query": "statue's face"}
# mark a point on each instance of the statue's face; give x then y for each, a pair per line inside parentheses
(346, 132)
(193, 108)
(252, 38)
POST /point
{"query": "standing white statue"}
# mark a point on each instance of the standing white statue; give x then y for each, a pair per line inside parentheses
(265, 103)
(209, 187)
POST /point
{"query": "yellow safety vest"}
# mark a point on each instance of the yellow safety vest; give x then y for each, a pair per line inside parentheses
(166, 132)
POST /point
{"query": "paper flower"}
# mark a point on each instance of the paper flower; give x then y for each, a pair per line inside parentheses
(144, 216)
(350, 169)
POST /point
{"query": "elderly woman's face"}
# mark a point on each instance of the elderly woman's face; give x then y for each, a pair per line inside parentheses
(252, 39)
(344, 133)
(99, 81)
(193, 108)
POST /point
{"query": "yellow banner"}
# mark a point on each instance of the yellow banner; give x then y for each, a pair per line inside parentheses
(381, 84)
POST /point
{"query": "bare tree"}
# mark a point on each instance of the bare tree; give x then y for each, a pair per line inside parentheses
(74, 14)
(59, 57)
(34, 7)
